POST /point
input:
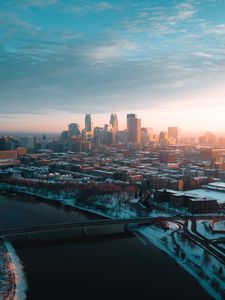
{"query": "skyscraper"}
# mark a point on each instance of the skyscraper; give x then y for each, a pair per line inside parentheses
(114, 122)
(146, 135)
(173, 133)
(163, 139)
(88, 123)
(114, 126)
(73, 129)
(134, 129)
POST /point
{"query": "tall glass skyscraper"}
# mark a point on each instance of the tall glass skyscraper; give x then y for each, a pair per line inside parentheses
(133, 129)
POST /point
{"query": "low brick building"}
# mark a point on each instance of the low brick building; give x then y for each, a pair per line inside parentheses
(202, 205)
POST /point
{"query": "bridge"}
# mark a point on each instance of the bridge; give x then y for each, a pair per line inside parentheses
(16, 232)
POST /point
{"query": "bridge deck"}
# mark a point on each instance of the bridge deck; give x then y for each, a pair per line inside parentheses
(96, 223)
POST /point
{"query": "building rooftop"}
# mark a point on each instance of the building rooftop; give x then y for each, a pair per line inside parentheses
(217, 184)
(201, 199)
(204, 193)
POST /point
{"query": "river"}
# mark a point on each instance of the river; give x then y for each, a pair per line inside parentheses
(114, 267)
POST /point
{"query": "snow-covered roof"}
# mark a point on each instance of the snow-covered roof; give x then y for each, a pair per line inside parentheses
(218, 184)
(201, 199)
(205, 193)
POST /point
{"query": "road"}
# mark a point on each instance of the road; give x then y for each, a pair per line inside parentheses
(202, 241)
(95, 223)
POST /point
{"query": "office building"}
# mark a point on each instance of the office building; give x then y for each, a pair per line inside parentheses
(73, 129)
(133, 129)
(173, 133)
(163, 139)
(146, 135)
(113, 126)
(88, 123)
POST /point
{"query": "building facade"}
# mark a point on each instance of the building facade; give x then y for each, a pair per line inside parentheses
(133, 129)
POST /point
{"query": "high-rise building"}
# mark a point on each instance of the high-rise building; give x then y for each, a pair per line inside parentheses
(173, 133)
(8, 143)
(64, 135)
(114, 122)
(108, 137)
(27, 142)
(99, 135)
(73, 129)
(88, 123)
(163, 139)
(134, 129)
(146, 135)
(121, 136)
(114, 126)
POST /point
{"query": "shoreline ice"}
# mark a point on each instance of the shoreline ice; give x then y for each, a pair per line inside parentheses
(20, 280)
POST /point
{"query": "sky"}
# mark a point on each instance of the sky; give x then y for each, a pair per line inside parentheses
(161, 59)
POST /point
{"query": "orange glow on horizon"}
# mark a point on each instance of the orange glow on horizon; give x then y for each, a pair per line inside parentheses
(188, 120)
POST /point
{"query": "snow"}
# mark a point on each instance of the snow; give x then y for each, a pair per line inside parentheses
(218, 184)
(191, 263)
(203, 227)
(219, 226)
(205, 193)
(172, 226)
(21, 285)
(195, 254)
(222, 245)
(110, 206)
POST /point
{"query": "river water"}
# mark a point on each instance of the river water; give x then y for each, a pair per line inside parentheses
(113, 267)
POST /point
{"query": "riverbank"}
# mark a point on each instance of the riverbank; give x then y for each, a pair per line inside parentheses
(19, 280)
(7, 276)
(102, 206)
(12, 280)
(189, 256)
(140, 271)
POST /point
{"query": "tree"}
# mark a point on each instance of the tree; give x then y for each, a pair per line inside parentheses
(215, 284)
(220, 271)
(164, 240)
(206, 258)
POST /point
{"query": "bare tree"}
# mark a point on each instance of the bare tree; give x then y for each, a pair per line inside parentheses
(206, 258)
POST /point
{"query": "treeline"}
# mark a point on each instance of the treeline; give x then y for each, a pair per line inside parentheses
(85, 189)
(105, 189)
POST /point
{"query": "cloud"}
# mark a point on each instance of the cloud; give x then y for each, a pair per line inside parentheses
(145, 56)
(215, 29)
(85, 7)
(104, 6)
(110, 51)
(161, 20)
(75, 83)
(27, 4)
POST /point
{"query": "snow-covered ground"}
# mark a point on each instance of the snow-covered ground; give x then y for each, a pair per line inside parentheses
(219, 225)
(222, 245)
(109, 206)
(168, 241)
(104, 205)
(17, 268)
(191, 260)
(203, 227)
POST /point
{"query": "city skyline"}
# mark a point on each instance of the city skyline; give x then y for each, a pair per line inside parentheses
(162, 60)
(112, 149)
(32, 124)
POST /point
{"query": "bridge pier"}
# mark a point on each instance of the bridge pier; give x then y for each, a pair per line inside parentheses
(84, 231)
(126, 228)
